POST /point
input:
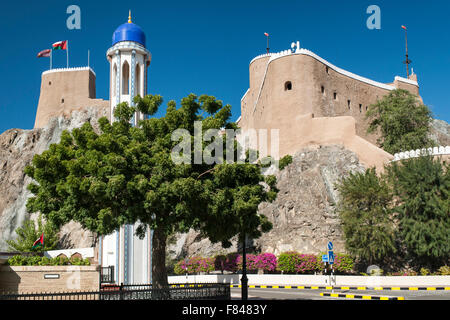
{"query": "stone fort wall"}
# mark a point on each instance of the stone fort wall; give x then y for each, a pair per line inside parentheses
(313, 102)
(64, 91)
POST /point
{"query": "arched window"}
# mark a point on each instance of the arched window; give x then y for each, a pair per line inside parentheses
(287, 86)
(113, 79)
(138, 80)
(125, 78)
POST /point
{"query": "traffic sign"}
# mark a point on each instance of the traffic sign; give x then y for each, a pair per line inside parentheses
(325, 258)
(330, 257)
(330, 245)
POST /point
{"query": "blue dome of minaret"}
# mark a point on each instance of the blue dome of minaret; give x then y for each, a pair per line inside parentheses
(129, 32)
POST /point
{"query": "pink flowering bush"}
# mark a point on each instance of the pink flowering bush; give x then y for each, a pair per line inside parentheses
(307, 263)
(194, 265)
(266, 262)
(251, 262)
(227, 262)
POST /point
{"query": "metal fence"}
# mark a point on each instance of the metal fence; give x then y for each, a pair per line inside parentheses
(206, 291)
(107, 274)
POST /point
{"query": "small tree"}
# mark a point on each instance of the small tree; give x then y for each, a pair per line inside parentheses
(422, 186)
(366, 217)
(30, 231)
(404, 122)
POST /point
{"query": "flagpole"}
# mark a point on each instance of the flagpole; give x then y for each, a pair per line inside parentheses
(67, 53)
(88, 59)
(51, 52)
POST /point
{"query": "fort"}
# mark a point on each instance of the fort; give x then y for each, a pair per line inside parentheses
(313, 103)
(64, 91)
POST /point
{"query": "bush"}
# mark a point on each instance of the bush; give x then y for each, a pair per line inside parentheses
(180, 267)
(231, 262)
(266, 262)
(251, 262)
(444, 271)
(194, 265)
(308, 263)
(19, 260)
(343, 263)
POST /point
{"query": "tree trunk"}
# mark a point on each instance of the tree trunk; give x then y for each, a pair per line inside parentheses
(159, 271)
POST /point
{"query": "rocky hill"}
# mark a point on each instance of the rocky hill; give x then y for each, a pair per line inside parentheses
(303, 214)
(17, 148)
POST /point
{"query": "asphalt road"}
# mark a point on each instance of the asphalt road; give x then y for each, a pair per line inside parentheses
(295, 294)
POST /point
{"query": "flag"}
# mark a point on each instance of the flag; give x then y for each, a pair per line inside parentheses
(44, 53)
(39, 242)
(60, 45)
(404, 27)
(266, 34)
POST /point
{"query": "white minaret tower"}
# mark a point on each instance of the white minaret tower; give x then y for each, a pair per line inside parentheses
(128, 256)
(128, 60)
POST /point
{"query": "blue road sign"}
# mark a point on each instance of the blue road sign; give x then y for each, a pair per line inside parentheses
(330, 245)
(325, 258)
(330, 257)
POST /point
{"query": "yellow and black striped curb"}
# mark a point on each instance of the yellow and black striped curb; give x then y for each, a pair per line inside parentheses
(345, 288)
(358, 296)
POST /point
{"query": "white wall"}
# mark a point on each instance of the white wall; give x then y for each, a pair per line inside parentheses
(299, 280)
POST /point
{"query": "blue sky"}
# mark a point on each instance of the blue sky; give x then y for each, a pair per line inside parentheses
(204, 47)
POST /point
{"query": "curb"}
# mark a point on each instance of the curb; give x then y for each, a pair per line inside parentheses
(358, 296)
(344, 288)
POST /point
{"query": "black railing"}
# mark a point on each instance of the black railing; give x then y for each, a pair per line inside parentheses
(206, 291)
(107, 274)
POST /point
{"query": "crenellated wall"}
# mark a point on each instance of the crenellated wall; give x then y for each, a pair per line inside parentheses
(311, 101)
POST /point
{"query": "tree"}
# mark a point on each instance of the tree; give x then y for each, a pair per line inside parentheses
(403, 122)
(30, 232)
(422, 186)
(126, 174)
(366, 217)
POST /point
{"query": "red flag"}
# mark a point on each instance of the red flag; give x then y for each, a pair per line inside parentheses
(44, 53)
(404, 27)
(60, 45)
(39, 242)
(266, 34)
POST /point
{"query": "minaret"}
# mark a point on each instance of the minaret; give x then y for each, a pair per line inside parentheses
(129, 59)
(129, 256)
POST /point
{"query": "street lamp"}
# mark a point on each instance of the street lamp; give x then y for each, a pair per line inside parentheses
(244, 279)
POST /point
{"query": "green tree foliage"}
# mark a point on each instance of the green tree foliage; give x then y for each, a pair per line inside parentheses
(403, 122)
(30, 232)
(422, 186)
(126, 174)
(365, 216)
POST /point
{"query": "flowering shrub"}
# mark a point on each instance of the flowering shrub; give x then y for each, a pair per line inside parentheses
(308, 263)
(266, 262)
(287, 262)
(252, 262)
(194, 265)
(343, 263)
(180, 267)
(227, 262)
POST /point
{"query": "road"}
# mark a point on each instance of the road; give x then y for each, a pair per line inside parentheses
(295, 294)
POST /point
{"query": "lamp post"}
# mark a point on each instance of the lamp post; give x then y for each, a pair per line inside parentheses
(244, 279)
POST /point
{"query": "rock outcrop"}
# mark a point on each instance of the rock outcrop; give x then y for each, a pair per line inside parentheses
(17, 148)
(303, 215)
(440, 132)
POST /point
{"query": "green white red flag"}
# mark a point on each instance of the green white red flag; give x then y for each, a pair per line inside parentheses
(39, 242)
(60, 45)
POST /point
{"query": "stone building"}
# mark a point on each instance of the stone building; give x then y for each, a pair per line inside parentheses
(313, 102)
